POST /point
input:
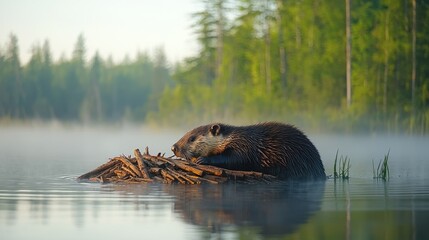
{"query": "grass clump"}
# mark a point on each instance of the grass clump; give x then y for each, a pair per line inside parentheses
(382, 171)
(341, 167)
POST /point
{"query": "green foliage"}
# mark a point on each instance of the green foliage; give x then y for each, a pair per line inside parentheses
(250, 85)
(257, 61)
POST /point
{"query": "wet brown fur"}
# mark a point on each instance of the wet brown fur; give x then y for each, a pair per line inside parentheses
(271, 147)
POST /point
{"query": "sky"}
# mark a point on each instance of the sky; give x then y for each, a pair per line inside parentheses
(113, 28)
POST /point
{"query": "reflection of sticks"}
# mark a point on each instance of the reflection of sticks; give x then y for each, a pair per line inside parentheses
(148, 168)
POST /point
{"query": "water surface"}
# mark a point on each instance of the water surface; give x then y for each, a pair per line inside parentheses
(40, 199)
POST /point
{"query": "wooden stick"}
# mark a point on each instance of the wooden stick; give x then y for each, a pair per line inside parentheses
(105, 172)
(163, 159)
(194, 178)
(179, 176)
(188, 168)
(203, 179)
(120, 173)
(141, 164)
(129, 165)
(98, 170)
(185, 176)
(153, 160)
(166, 175)
(176, 176)
(143, 179)
(211, 169)
(129, 171)
(205, 168)
(235, 174)
(216, 178)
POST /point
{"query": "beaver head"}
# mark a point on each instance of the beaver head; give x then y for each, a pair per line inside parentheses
(202, 141)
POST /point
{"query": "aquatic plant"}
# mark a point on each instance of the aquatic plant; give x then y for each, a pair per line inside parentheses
(341, 167)
(382, 171)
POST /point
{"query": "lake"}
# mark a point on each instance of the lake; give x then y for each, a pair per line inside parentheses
(40, 198)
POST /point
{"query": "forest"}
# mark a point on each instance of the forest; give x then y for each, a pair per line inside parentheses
(77, 90)
(344, 66)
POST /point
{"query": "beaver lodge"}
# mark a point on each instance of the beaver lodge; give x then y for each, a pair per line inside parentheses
(144, 168)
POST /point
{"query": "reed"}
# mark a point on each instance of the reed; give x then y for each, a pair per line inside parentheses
(382, 171)
(341, 167)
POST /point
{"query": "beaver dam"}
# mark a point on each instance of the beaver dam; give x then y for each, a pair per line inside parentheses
(156, 168)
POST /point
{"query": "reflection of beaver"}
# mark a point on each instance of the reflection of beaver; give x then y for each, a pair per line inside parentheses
(261, 210)
(273, 148)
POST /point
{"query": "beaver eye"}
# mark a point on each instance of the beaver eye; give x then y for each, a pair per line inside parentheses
(192, 139)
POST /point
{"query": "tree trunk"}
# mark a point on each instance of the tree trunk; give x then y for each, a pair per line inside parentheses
(386, 63)
(268, 62)
(348, 55)
(281, 45)
(268, 57)
(413, 72)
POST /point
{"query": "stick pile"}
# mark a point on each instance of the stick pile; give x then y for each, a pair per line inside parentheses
(148, 168)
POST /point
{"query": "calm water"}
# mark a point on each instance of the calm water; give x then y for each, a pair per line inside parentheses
(40, 199)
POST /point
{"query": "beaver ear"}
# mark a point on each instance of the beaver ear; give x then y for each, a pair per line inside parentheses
(215, 129)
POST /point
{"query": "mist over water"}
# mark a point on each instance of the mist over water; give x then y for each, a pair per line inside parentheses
(38, 191)
(407, 154)
(325, 66)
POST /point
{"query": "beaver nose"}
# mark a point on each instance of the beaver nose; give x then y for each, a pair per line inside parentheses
(174, 148)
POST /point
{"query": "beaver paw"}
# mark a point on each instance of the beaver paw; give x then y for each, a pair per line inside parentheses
(202, 161)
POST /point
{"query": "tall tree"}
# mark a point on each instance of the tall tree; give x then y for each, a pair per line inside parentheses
(75, 80)
(205, 32)
(47, 78)
(79, 51)
(13, 79)
(93, 95)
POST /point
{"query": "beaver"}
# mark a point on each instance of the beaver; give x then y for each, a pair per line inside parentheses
(273, 148)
